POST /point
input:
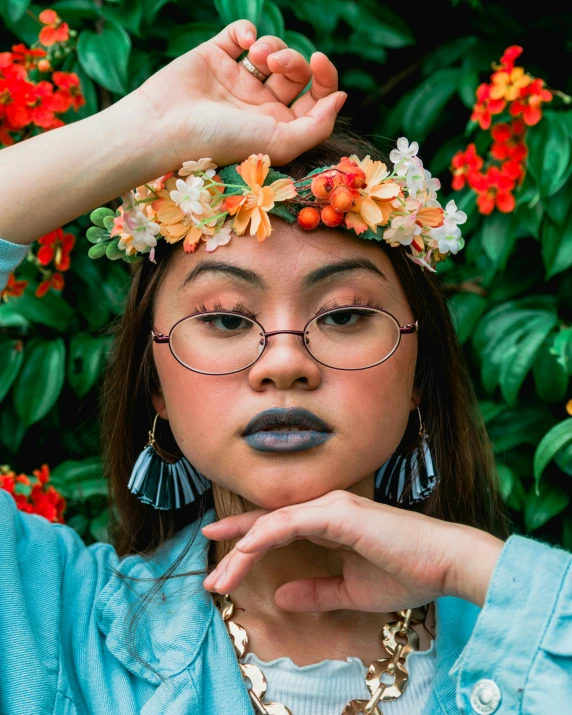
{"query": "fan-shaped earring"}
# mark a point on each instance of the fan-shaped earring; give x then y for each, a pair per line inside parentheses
(164, 484)
(418, 468)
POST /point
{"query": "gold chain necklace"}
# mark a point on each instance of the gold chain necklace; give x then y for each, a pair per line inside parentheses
(394, 666)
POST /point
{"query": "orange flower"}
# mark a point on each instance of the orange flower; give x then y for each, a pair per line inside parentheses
(69, 90)
(13, 288)
(175, 223)
(373, 202)
(530, 102)
(253, 207)
(507, 85)
(55, 30)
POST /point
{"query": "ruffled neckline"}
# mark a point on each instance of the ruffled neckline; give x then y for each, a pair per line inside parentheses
(329, 663)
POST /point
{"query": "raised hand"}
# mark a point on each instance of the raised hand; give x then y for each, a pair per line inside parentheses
(208, 104)
(392, 558)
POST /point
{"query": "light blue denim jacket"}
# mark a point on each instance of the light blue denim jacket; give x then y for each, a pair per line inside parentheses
(64, 620)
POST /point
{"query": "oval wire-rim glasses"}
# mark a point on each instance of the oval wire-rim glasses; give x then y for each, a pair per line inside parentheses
(402, 330)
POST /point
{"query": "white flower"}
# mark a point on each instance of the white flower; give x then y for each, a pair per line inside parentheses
(142, 229)
(453, 215)
(432, 186)
(220, 238)
(403, 228)
(415, 179)
(402, 156)
(190, 167)
(189, 194)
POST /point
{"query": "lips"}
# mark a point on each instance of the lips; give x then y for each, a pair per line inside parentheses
(280, 418)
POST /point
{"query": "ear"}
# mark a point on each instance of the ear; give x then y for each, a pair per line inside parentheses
(159, 404)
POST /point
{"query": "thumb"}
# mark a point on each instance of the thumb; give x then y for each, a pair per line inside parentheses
(311, 595)
(290, 139)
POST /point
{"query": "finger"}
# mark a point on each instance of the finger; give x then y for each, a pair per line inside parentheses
(232, 527)
(324, 83)
(292, 138)
(231, 571)
(336, 523)
(235, 38)
(290, 74)
(313, 595)
(259, 51)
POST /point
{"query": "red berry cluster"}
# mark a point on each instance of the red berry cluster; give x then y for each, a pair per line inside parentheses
(337, 192)
(523, 95)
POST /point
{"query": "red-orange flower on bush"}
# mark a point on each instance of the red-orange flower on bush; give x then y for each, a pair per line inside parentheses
(464, 165)
(14, 288)
(55, 31)
(56, 246)
(34, 498)
(513, 89)
(494, 189)
(56, 280)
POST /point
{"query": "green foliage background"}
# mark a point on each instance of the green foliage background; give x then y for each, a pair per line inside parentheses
(409, 70)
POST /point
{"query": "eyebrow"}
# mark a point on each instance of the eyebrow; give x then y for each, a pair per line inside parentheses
(253, 279)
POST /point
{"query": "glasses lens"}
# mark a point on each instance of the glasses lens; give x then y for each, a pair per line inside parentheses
(352, 337)
(216, 343)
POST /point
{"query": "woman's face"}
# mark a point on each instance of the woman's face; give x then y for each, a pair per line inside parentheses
(367, 410)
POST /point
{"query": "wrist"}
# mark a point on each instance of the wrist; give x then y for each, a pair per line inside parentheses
(473, 562)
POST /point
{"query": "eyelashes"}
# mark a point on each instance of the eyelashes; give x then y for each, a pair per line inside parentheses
(239, 307)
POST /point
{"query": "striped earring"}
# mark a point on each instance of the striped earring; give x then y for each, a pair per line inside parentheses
(395, 474)
(164, 484)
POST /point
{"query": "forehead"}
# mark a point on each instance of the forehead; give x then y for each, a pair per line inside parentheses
(289, 259)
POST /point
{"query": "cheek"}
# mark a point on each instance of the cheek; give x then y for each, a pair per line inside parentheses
(373, 406)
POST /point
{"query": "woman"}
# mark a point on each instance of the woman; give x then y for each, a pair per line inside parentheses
(334, 569)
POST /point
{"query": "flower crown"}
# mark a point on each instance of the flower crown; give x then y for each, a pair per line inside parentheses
(198, 204)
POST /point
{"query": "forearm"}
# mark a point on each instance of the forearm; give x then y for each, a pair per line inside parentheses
(50, 179)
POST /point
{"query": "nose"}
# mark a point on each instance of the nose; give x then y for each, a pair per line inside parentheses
(285, 363)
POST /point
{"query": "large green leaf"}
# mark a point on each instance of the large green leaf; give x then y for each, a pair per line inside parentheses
(271, 21)
(40, 379)
(186, 37)
(499, 235)
(13, 10)
(549, 153)
(12, 352)
(520, 354)
(105, 56)
(550, 378)
(557, 246)
(541, 507)
(231, 10)
(84, 362)
(562, 348)
(466, 309)
(428, 102)
(556, 439)
(80, 479)
(517, 427)
(51, 310)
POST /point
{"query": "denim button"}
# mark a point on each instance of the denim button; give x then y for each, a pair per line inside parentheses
(485, 697)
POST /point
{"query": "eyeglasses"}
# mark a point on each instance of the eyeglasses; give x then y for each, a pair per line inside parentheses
(344, 338)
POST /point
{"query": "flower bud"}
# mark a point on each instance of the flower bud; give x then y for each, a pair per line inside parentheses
(342, 199)
(331, 217)
(308, 218)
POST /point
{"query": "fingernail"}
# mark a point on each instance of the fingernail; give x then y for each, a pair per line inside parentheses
(341, 101)
(261, 46)
(220, 580)
(249, 35)
(282, 58)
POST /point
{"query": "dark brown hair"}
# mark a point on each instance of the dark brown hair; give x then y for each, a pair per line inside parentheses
(468, 492)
